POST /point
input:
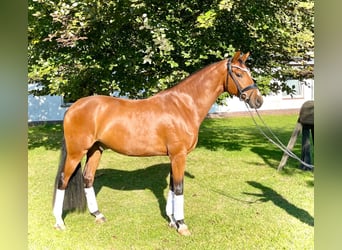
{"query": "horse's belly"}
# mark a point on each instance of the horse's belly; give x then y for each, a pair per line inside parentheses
(132, 149)
(134, 145)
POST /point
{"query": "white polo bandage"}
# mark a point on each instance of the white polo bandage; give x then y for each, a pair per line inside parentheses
(58, 205)
(178, 211)
(91, 199)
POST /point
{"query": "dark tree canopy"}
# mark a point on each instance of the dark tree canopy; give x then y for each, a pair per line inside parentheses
(139, 47)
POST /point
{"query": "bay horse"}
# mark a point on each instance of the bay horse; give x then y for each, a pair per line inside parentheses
(166, 124)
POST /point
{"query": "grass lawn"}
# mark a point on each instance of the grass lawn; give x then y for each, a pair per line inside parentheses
(234, 196)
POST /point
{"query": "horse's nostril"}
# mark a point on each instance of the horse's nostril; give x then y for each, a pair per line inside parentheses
(259, 102)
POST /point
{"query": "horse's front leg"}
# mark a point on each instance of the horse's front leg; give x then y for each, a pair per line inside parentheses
(175, 199)
(93, 158)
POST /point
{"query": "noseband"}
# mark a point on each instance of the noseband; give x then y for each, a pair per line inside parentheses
(236, 81)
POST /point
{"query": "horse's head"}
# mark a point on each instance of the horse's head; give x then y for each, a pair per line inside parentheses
(240, 83)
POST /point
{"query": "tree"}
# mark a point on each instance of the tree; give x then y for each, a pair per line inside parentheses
(139, 47)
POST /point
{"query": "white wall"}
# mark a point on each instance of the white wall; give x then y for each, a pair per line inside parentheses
(44, 108)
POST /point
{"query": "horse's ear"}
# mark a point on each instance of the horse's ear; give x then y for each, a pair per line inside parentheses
(244, 57)
(236, 56)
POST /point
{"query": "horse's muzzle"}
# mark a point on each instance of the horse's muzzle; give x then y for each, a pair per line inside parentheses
(255, 102)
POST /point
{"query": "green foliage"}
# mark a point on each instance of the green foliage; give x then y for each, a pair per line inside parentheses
(206, 20)
(139, 47)
(234, 196)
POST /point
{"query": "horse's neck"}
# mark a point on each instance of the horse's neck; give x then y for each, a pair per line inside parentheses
(203, 88)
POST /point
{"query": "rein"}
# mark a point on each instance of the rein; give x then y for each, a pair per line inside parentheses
(241, 91)
(279, 144)
(236, 81)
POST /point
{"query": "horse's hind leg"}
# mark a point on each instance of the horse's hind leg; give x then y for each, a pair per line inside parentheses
(93, 159)
(73, 200)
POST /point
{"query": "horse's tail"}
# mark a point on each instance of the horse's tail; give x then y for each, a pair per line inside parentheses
(74, 198)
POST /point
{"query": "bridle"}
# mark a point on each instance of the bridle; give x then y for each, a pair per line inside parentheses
(236, 81)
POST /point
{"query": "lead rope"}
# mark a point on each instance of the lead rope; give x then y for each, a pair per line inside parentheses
(279, 144)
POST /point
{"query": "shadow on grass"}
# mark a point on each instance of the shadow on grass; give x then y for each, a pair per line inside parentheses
(269, 194)
(48, 136)
(272, 156)
(229, 135)
(153, 178)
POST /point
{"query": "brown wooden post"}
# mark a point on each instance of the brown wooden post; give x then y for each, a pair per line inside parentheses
(290, 145)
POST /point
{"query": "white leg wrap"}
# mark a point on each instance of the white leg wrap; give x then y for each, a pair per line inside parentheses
(91, 199)
(178, 207)
(58, 208)
(169, 203)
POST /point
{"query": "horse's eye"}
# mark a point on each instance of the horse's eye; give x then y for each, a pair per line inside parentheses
(238, 75)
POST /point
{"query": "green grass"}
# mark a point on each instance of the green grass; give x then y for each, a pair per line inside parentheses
(234, 196)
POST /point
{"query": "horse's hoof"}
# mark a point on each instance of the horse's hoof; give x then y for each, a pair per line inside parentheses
(100, 220)
(59, 227)
(183, 230)
(173, 225)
